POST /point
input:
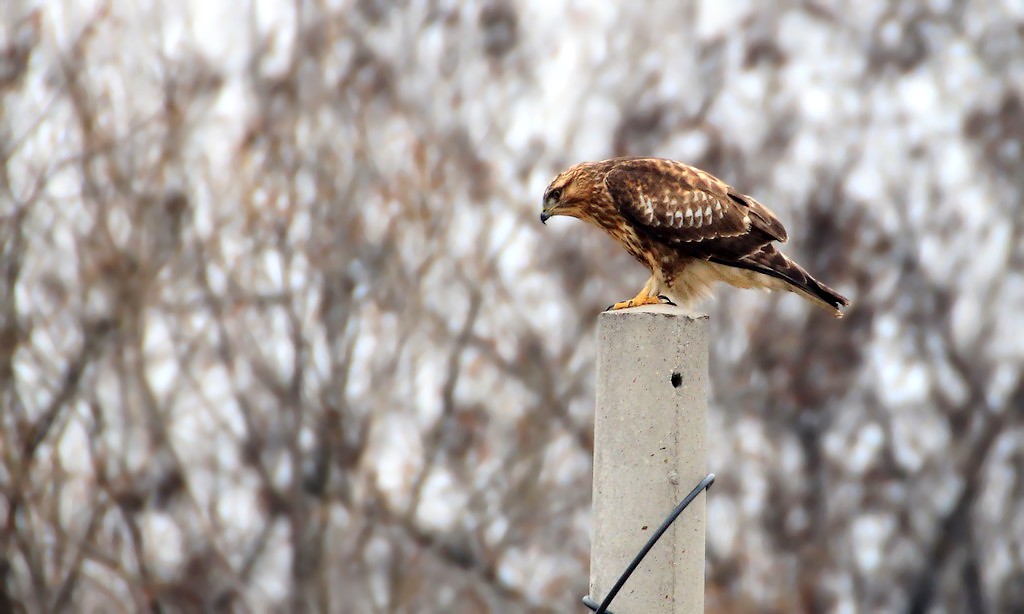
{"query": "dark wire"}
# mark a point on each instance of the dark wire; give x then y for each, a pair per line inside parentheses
(687, 500)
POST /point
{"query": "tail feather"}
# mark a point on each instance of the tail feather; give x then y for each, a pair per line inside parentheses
(770, 261)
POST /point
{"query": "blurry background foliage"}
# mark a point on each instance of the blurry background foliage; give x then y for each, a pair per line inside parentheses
(280, 330)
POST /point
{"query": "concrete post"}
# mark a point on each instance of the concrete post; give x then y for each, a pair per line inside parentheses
(650, 432)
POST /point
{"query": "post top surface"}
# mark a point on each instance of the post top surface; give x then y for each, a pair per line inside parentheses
(662, 310)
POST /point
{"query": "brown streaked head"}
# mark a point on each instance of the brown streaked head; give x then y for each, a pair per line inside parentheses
(570, 192)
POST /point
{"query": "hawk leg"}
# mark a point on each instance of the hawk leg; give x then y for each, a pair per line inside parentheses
(647, 296)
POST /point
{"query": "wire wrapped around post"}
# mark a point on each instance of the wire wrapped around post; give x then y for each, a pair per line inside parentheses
(602, 608)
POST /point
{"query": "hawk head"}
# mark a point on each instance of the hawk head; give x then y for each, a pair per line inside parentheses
(570, 193)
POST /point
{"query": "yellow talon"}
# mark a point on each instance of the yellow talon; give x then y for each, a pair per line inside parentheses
(640, 299)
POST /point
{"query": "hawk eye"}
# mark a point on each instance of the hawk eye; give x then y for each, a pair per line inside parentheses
(555, 194)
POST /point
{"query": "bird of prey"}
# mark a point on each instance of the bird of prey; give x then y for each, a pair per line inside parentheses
(688, 227)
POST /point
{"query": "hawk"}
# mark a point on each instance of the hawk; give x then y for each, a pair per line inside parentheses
(688, 227)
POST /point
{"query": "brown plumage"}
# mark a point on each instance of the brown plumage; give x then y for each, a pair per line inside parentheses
(688, 227)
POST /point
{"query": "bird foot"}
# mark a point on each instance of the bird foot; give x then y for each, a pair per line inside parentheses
(637, 301)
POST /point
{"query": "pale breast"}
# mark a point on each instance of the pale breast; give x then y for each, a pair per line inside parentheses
(638, 247)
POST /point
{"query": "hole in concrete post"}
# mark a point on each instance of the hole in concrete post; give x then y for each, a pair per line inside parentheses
(677, 379)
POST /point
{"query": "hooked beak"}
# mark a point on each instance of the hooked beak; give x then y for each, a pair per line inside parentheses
(544, 215)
